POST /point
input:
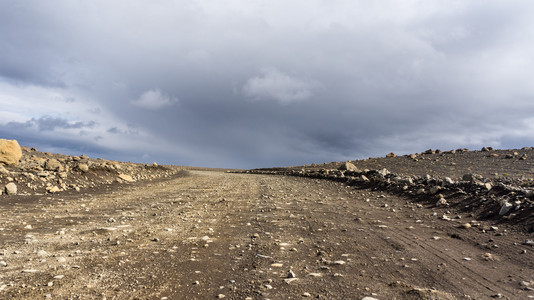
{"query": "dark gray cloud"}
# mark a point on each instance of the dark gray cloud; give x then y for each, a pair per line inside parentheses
(251, 84)
(47, 123)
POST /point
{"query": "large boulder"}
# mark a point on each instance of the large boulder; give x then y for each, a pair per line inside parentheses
(10, 152)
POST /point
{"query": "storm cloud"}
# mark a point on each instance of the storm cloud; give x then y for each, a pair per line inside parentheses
(262, 83)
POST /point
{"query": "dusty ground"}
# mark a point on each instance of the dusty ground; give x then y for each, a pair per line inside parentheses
(207, 235)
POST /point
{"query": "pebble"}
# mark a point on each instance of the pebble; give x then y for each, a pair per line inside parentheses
(289, 280)
(59, 276)
(465, 226)
(3, 264)
(306, 294)
(220, 296)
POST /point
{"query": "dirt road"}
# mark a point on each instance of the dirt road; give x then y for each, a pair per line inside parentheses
(208, 235)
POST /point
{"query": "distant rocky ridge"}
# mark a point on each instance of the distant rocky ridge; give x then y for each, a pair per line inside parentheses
(26, 171)
(507, 198)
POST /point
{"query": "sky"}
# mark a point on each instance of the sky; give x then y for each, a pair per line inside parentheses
(262, 83)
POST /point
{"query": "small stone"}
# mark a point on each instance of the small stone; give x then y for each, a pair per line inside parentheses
(42, 253)
(290, 280)
(277, 265)
(59, 276)
(220, 296)
(347, 166)
(442, 202)
(29, 271)
(505, 208)
(369, 298)
(126, 177)
(83, 167)
(3, 263)
(52, 165)
(291, 274)
(11, 188)
(52, 189)
(306, 294)
(465, 226)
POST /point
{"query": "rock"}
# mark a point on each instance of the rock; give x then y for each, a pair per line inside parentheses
(53, 189)
(3, 170)
(429, 151)
(291, 274)
(126, 177)
(505, 208)
(413, 156)
(347, 166)
(435, 189)
(52, 165)
(83, 167)
(383, 172)
(289, 280)
(442, 202)
(10, 152)
(470, 177)
(391, 154)
(447, 181)
(465, 226)
(369, 298)
(11, 188)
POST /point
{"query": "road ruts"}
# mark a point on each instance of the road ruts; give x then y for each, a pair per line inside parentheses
(213, 235)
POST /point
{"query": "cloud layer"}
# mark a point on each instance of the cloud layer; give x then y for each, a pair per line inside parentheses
(264, 83)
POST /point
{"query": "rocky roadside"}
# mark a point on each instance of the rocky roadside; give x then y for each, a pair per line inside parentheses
(505, 199)
(26, 171)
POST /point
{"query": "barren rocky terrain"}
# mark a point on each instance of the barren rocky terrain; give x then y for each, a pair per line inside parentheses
(436, 225)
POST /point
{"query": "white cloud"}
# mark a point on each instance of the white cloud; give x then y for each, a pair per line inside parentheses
(154, 99)
(273, 84)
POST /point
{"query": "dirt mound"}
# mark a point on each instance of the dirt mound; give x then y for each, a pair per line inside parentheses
(491, 184)
(42, 172)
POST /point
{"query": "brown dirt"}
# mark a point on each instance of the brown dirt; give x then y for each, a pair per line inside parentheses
(205, 234)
